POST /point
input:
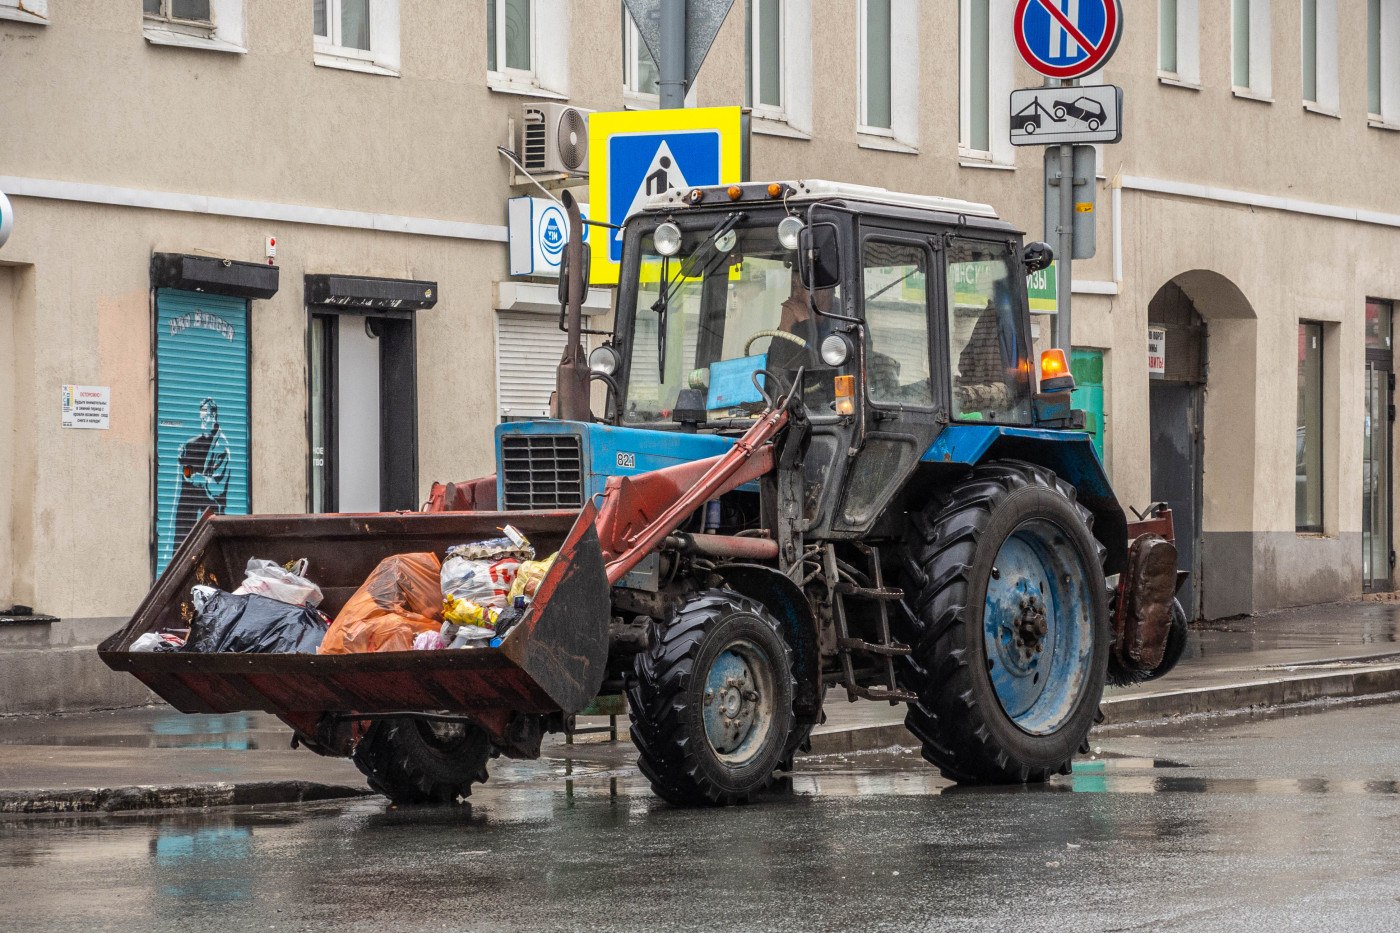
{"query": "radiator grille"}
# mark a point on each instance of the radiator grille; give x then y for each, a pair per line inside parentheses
(542, 471)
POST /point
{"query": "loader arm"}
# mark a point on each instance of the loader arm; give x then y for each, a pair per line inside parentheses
(634, 517)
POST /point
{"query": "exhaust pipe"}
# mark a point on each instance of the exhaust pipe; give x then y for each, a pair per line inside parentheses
(571, 381)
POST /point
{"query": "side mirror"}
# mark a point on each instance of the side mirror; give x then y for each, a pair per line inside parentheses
(1038, 256)
(818, 257)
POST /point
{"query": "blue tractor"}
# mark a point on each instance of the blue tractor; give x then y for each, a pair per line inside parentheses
(813, 455)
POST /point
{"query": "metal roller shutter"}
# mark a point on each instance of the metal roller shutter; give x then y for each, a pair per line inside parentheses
(528, 348)
(201, 353)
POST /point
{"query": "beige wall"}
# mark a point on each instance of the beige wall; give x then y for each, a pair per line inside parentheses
(89, 100)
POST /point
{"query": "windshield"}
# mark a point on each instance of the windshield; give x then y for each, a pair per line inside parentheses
(734, 306)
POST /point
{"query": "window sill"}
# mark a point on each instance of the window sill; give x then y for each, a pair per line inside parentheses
(1175, 80)
(23, 16)
(637, 101)
(883, 143)
(1322, 111)
(1378, 123)
(977, 158)
(503, 85)
(767, 126)
(1244, 93)
(344, 63)
(159, 35)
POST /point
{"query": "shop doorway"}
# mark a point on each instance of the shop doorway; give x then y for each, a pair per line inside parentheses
(1377, 545)
(1176, 400)
(364, 433)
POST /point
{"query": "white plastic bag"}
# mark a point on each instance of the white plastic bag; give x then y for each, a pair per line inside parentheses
(288, 584)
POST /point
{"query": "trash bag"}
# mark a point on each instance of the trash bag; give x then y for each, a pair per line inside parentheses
(287, 583)
(483, 582)
(227, 623)
(465, 612)
(400, 599)
(529, 577)
(157, 641)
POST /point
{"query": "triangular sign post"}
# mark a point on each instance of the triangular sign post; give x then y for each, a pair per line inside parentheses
(702, 21)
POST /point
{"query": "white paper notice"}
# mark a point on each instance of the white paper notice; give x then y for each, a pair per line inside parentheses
(87, 407)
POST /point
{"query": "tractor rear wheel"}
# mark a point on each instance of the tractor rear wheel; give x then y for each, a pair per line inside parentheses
(413, 761)
(1010, 626)
(711, 703)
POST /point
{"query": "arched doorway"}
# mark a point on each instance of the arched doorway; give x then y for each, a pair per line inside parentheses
(1176, 409)
(1202, 433)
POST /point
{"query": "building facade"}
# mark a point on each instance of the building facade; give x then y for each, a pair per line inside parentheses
(159, 154)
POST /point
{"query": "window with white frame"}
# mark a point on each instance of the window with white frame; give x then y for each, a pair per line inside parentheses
(763, 46)
(510, 38)
(1251, 48)
(198, 13)
(1320, 82)
(1383, 60)
(209, 24)
(361, 35)
(1179, 41)
(25, 11)
(888, 74)
(640, 77)
(985, 72)
(876, 73)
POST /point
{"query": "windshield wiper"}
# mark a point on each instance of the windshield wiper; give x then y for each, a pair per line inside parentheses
(687, 270)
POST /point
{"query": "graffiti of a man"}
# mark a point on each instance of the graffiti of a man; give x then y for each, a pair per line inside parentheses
(203, 477)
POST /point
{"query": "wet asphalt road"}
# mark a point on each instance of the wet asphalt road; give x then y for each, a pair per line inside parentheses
(1278, 824)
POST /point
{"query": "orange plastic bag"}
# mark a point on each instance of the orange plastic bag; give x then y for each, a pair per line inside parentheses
(401, 598)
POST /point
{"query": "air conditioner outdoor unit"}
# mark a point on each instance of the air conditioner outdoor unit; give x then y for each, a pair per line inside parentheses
(554, 139)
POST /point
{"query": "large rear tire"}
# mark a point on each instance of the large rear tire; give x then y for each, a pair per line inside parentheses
(711, 705)
(1011, 630)
(417, 761)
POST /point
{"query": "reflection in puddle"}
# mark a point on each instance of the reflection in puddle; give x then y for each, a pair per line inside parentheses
(187, 861)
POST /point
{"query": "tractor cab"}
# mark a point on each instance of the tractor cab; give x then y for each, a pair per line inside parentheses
(899, 314)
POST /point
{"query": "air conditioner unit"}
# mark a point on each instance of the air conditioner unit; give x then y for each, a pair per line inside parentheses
(554, 139)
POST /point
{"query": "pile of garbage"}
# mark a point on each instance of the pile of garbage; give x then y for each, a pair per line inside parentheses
(409, 602)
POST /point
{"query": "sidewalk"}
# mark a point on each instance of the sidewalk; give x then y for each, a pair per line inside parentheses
(155, 756)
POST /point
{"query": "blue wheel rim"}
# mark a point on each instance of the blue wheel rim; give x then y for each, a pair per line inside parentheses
(1038, 627)
(738, 702)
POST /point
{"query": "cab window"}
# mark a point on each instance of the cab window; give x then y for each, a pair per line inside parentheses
(986, 355)
(895, 277)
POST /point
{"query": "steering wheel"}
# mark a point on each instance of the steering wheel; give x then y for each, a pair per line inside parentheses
(777, 334)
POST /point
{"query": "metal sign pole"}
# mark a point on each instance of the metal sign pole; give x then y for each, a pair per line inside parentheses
(1065, 276)
(672, 63)
(1066, 248)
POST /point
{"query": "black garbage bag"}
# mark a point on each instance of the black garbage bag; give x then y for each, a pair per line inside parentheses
(249, 624)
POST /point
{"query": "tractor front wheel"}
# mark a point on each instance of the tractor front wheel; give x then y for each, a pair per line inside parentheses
(1011, 629)
(417, 761)
(711, 703)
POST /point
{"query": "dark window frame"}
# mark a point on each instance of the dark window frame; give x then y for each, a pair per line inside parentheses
(1320, 329)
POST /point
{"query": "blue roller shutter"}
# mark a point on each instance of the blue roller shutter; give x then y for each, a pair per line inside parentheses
(201, 455)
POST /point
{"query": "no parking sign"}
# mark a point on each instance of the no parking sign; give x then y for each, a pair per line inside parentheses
(1068, 39)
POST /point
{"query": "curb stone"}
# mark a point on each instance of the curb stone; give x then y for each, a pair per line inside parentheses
(1364, 681)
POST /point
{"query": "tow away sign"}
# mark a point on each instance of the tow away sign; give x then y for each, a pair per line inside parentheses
(1049, 116)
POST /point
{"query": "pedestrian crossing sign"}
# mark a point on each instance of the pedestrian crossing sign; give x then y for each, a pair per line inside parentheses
(636, 154)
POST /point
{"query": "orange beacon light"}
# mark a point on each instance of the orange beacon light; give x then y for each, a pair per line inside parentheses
(1054, 372)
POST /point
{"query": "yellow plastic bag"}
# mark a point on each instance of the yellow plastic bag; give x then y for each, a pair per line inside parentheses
(528, 577)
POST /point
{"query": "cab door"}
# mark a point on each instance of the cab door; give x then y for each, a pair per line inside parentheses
(901, 407)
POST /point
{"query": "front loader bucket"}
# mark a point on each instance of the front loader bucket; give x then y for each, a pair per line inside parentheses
(553, 660)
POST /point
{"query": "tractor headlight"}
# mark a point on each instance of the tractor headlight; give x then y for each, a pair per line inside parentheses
(604, 360)
(836, 350)
(789, 228)
(667, 239)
